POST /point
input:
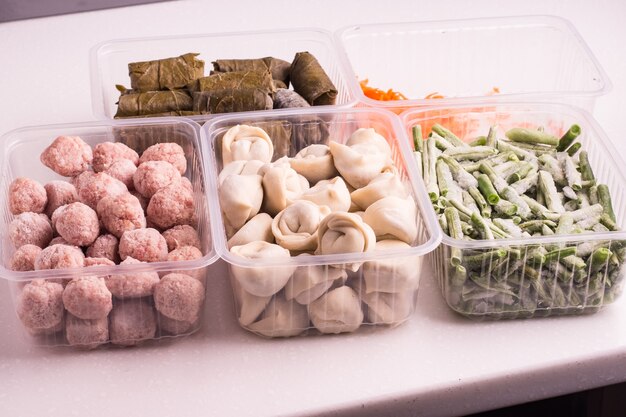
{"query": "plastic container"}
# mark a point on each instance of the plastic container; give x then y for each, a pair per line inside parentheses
(109, 60)
(376, 288)
(495, 284)
(20, 158)
(537, 58)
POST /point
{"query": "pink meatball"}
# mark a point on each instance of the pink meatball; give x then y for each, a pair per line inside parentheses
(121, 213)
(171, 206)
(95, 187)
(59, 257)
(87, 334)
(105, 246)
(30, 228)
(59, 194)
(26, 195)
(106, 154)
(131, 322)
(145, 245)
(58, 241)
(169, 152)
(184, 253)
(88, 298)
(67, 156)
(24, 258)
(142, 200)
(179, 297)
(151, 176)
(175, 327)
(183, 235)
(40, 305)
(98, 262)
(81, 179)
(132, 284)
(123, 170)
(77, 223)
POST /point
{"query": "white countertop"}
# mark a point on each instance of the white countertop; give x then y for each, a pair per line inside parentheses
(437, 364)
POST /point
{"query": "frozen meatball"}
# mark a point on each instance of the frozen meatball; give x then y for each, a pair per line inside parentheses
(121, 213)
(145, 245)
(169, 152)
(142, 200)
(179, 297)
(185, 182)
(97, 186)
(88, 298)
(105, 246)
(106, 154)
(78, 224)
(67, 156)
(171, 206)
(26, 195)
(81, 179)
(59, 257)
(183, 235)
(174, 327)
(59, 194)
(24, 258)
(131, 322)
(98, 262)
(59, 241)
(123, 170)
(40, 305)
(133, 284)
(151, 176)
(188, 253)
(30, 228)
(87, 334)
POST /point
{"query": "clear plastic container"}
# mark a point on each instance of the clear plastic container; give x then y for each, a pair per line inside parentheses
(20, 158)
(109, 60)
(537, 58)
(376, 288)
(501, 278)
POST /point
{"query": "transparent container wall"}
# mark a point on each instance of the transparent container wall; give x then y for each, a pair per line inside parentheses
(509, 58)
(324, 293)
(134, 317)
(109, 61)
(503, 278)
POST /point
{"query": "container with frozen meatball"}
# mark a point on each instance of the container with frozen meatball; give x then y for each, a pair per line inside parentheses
(105, 231)
(319, 218)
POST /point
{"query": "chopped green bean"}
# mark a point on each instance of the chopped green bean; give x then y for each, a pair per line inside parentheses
(518, 134)
(418, 139)
(568, 138)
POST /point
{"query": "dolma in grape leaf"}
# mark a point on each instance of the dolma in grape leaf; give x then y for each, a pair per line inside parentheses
(235, 80)
(153, 102)
(165, 74)
(277, 67)
(230, 100)
(310, 81)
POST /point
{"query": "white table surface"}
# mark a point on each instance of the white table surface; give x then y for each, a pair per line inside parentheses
(437, 364)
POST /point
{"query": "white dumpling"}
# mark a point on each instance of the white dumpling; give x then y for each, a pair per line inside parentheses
(387, 308)
(382, 185)
(282, 186)
(342, 232)
(243, 142)
(257, 228)
(295, 228)
(262, 281)
(241, 167)
(282, 318)
(393, 218)
(309, 282)
(240, 197)
(249, 306)
(396, 274)
(358, 165)
(369, 137)
(337, 311)
(332, 193)
(315, 163)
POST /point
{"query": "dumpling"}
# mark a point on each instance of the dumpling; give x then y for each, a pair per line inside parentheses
(337, 311)
(282, 318)
(309, 282)
(387, 308)
(397, 274)
(243, 142)
(332, 193)
(241, 197)
(295, 228)
(369, 137)
(257, 228)
(383, 185)
(249, 307)
(262, 281)
(282, 186)
(358, 165)
(342, 232)
(240, 168)
(393, 218)
(315, 163)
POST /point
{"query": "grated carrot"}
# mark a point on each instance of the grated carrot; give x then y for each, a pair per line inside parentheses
(378, 94)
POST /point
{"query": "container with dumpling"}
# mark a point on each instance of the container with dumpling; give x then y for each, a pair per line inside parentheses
(318, 216)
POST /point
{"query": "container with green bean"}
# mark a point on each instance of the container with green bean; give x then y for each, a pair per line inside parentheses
(531, 201)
